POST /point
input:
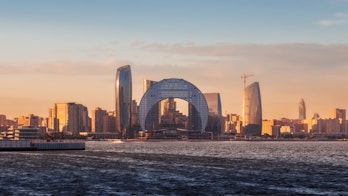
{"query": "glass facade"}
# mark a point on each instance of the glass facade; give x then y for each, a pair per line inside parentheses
(252, 110)
(302, 110)
(123, 95)
(153, 118)
(173, 88)
(215, 114)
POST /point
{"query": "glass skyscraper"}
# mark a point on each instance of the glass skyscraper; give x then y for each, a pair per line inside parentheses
(123, 98)
(215, 114)
(252, 110)
(302, 110)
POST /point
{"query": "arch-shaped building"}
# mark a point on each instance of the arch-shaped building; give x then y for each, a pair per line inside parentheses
(173, 88)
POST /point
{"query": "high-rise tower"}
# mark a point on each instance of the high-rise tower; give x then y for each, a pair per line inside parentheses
(252, 110)
(302, 110)
(123, 98)
(215, 124)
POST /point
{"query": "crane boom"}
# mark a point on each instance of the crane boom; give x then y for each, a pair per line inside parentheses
(245, 76)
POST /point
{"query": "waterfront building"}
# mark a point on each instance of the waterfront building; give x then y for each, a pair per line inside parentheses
(170, 89)
(267, 127)
(109, 122)
(215, 120)
(123, 100)
(98, 117)
(52, 122)
(26, 133)
(286, 129)
(233, 124)
(71, 118)
(302, 110)
(340, 114)
(252, 117)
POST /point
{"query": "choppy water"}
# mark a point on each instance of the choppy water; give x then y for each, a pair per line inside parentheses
(180, 168)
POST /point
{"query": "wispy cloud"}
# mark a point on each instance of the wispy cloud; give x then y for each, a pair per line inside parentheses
(60, 68)
(331, 22)
(274, 54)
(339, 19)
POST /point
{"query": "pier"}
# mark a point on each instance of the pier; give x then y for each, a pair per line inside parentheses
(30, 145)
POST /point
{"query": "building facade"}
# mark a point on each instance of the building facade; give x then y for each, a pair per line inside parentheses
(123, 99)
(215, 121)
(70, 118)
(28, 121)
(174, 88)
(340, 114)
(252, 117)
(98, 117)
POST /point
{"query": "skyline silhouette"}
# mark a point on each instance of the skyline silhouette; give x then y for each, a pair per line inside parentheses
(69, 52)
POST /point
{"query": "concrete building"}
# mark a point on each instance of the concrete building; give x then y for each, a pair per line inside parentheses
(109, 125)
(70, 118)
(98, 116)
(123, 99)
(26, 133)
(233, 124)
(29, 121)
(340, 114)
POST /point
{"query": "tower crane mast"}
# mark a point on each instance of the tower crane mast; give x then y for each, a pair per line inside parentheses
(244, 77)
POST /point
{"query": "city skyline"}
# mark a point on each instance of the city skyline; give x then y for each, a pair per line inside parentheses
(69, 52)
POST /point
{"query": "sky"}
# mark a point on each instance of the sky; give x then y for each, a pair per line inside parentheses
(69, 51)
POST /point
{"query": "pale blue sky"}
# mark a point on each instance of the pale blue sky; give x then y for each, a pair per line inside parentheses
(53, 51)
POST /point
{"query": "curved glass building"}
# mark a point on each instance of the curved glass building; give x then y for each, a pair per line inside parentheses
(123, 98)
(174, 88)
(302, 110)
(252, 110)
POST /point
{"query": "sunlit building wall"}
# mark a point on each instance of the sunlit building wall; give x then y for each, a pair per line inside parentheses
(123, 99)
(233, 123)
(252, 110)
(30, 120)
(302, 110)
(267, 127)
(72, 118)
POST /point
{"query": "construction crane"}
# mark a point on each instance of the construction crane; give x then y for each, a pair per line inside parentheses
(244, 77)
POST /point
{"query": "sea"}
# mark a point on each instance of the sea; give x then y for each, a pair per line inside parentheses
(180, 168)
